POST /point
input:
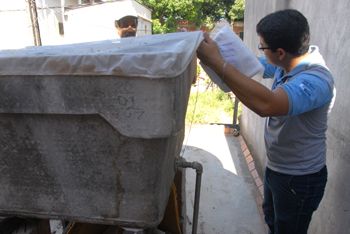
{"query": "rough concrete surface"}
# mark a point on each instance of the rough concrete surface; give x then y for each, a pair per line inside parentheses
(330, 31)
(228, 193)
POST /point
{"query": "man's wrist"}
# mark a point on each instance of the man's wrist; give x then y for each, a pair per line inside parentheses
(224, 65)
(217, 66)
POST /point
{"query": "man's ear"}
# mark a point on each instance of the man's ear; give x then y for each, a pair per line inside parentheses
(281, 53)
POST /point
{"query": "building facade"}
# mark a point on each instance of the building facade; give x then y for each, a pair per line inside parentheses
(67, 21)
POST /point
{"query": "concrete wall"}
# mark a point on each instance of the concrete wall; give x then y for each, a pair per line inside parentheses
(330, 30)
(144, 26)
(96, 22)
(15, 25)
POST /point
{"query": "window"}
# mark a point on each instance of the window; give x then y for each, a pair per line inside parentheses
(60, 28)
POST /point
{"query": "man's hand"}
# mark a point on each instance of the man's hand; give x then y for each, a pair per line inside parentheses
(209, 54)
(254, 95)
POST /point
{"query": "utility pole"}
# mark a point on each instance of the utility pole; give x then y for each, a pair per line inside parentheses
(35, 23)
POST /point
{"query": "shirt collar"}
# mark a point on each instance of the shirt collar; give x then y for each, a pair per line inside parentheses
(313, 58)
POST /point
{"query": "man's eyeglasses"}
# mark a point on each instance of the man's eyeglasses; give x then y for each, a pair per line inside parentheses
(262, 48)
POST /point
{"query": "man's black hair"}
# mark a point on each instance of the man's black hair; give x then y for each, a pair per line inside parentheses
(117, 23)
(286, 29)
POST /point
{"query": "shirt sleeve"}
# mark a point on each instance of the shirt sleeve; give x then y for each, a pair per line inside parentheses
(307, 92)
(269, 70)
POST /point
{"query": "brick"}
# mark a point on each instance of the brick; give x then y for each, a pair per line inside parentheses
(249, 158)
(258, 182)
(261, 190)
(255, 174)
(228, 130)
(244, 146)
(251, 166)
(246, 153)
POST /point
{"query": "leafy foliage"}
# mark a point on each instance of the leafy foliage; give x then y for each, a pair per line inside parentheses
(211, 106)
(166, 13)
(237, 10)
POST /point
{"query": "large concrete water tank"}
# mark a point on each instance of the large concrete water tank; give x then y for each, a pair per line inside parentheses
(90, 132)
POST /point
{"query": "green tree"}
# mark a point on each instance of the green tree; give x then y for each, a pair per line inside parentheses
(166, 13)
(237, 11)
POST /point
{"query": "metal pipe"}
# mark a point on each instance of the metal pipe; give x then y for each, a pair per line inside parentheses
(181, 163)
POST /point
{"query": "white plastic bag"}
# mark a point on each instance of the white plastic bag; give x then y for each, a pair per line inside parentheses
(235, 52)
(151, 56)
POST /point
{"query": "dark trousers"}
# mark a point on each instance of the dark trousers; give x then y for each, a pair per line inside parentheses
(289, 201)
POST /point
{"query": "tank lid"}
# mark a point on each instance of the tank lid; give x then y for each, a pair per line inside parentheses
(152, 56)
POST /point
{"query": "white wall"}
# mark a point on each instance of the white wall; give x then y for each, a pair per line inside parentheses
(96, 22)
(89, 23)
(81, 24)
(145, 19)
(50, 14)
(15, 25)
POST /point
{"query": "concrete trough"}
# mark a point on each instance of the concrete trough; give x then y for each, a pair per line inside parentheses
(90, 132)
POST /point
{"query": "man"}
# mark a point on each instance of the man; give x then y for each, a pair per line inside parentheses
(297, 109)
(126, 26)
